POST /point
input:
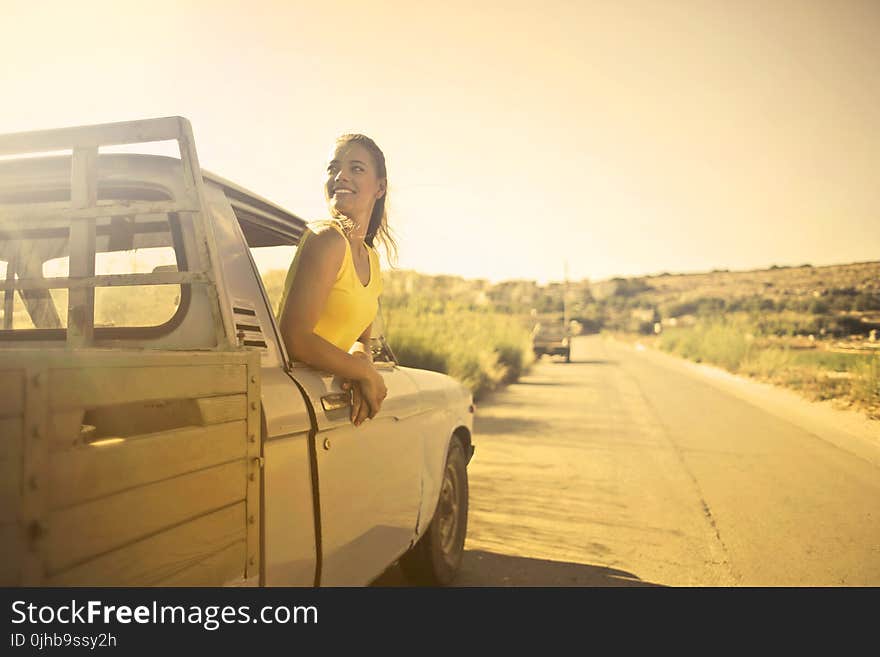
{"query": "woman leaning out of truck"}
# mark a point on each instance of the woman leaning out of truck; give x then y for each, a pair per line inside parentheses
(333, 285)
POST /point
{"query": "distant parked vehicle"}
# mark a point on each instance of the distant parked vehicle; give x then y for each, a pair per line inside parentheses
(553, 339)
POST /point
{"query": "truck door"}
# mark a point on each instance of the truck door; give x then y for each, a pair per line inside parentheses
(369, 476)
(366, 480)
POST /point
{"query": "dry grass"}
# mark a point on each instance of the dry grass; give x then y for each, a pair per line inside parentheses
(851, 380)
(482, 350)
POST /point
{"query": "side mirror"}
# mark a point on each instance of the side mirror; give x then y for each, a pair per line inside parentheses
(379, 347)
(386, 348)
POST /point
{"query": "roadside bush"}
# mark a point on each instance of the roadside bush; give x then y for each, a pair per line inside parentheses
(866, 382)
(681, 308)
(867, 301)
(843, 325)
(753, 304)
(818, 307)
(817, 373)
(630, 287)
(482, 350)
(512, 358)
(414, 350)
(787, 323)
(841, 304)
(704, 306)
(708, 306)
(766, 363)
(794, 304)
(480, 371)
(719, 342)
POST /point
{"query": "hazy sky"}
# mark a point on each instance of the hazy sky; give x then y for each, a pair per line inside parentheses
(624, 137)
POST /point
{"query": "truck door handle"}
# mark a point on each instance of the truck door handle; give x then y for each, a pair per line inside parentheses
(336, 400)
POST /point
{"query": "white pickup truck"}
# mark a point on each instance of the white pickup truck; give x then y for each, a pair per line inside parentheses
(153, 431)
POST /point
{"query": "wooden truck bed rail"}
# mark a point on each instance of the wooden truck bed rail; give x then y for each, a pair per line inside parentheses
(84, 209)
(129, 468)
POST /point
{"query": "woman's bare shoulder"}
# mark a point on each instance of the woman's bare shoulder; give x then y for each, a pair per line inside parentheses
(325, 234)
(321, 225)
(324, 239)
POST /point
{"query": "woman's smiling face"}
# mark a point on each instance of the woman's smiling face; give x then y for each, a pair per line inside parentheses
(352, 184)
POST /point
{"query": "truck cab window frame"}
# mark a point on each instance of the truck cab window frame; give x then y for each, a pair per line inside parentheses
(119, 232)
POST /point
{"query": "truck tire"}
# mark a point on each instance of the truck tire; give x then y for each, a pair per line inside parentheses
(435, 559)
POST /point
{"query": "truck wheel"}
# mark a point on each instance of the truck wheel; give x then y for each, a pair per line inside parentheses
(435, 559)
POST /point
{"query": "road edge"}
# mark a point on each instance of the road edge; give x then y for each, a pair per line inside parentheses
(845, 429)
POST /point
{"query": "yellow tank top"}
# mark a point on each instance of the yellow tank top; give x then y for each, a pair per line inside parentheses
(351, 306)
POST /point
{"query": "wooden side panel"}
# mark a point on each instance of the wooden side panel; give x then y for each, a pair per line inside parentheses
(10, 436)
(65, 429)
(176, 553)
(119, 385)
(86, 530)
(96, 470)
(130, 420)
(129, 468)
(11, 392)
(12, 422)
(11, 547)
(33, 508)
(10, 491)
(214, 410)
(220, 568)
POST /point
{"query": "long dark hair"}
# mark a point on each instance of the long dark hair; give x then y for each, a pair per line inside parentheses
(378, 226)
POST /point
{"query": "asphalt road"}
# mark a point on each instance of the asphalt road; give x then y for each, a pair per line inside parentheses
(628, 467)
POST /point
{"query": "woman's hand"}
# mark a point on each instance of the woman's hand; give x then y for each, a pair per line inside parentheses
(373, 391)
(360, 410)
(367, 393)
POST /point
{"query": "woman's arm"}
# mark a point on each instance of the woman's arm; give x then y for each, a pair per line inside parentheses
(319, 262)
(360, 409)
(362, 344)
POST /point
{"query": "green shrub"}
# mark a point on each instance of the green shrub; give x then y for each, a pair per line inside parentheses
(480, 371)
(708, 306)
(481, 349)
(818, 307)
(415, 350)
(753, 304)
(681, 308)
(766, 363)
(867, 301)
(727, 343)
(866, 380)
(512, 358)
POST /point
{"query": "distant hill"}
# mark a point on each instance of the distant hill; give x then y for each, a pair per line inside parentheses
(858, 281)
(835, 299)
